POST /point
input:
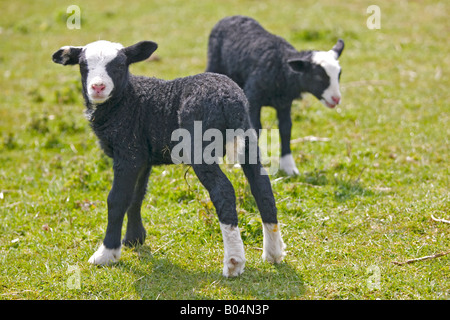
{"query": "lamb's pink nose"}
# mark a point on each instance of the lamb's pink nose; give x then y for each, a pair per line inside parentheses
(336, 99)
(98, 87)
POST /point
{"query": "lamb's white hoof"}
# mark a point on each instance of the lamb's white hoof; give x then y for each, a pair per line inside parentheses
(287, 164)
(234, 255)
(234, 266)
(273, 245)
(105, 256)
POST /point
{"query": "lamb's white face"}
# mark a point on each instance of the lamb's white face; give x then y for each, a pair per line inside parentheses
(328, 61)
(99, 83)
(104, 66)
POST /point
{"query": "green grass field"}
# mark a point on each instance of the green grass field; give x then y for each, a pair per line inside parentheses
(364, 199)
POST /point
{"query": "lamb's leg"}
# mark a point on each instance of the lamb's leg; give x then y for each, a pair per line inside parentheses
(119, 200)
(254, 105)
(287, 163)
(273, 245)
(223, 197)
(135, 230)
(255, 116)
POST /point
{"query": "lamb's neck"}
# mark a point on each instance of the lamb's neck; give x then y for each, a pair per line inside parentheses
(100, 113)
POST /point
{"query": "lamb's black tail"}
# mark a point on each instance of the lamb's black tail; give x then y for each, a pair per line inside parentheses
(215, 51)
(242, 140)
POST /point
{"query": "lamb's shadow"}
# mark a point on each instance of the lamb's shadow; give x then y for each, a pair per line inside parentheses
(160, 278)
(344, 190)
(347, 190)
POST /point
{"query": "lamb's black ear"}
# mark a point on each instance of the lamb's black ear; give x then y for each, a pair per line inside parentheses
(140, 51)
(67, 55)
(338, 48)
(299, 65)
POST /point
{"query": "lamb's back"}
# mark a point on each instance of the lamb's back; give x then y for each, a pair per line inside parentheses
(241, 48)
(165, 106)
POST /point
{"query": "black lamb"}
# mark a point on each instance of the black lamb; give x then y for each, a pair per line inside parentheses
(135, 118)
(273, 73)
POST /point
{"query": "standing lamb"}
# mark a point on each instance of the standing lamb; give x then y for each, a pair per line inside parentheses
(273, 73)
(134, 118)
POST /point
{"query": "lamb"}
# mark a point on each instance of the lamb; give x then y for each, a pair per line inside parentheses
(273, 73)
(134, 118)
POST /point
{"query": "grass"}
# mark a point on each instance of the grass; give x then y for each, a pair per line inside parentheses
(363, 200)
